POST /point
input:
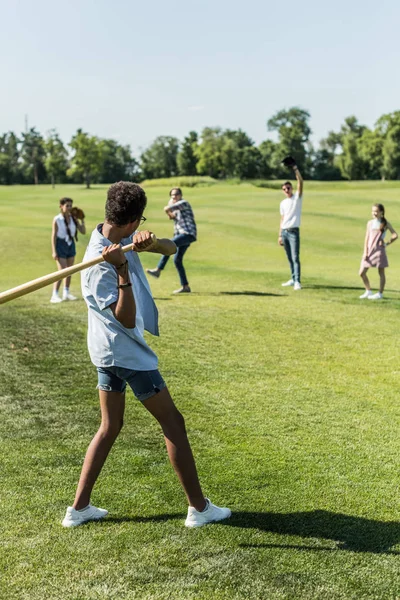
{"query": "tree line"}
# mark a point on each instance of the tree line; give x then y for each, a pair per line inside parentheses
(352, 153)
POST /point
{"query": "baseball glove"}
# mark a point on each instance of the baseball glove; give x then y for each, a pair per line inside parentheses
(289, 161)
(77, 213)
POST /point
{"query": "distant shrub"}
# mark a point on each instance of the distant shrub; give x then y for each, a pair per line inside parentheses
(183, 181)
(262, 183)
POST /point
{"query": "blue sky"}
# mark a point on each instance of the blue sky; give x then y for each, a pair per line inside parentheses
(133, 71)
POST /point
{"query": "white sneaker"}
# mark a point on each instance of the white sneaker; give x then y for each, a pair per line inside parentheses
(69, 296)
(366, 294)
(297, 286)
(210, 514)
(79, 517)
(287, 283)
(55, 299)
(377, 296)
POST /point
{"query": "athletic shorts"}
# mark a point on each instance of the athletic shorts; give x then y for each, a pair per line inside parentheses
(65, 250)
(144, 384)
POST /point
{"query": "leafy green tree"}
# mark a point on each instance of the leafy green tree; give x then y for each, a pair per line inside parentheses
(391, 154)
(209, 152)
(220, 153)
(33, 155)
(85, 162)
(116, 162)
(250, 163)
(387, 122)
(370, 147)
(10, 171)
(269, 156)
(294, 132)
(324, 165)
(351, 163)
(56, 157)
(160, 159)
(187, 159)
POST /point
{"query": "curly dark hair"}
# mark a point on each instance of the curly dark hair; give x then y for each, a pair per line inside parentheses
(126, 202)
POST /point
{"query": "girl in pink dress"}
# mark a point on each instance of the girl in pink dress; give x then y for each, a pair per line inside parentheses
(375, 250)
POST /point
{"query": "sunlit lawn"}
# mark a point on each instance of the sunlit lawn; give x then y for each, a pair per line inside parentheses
(290, 399)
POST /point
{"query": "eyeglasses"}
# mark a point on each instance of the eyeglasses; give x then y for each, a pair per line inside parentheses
(286, 189)
(143, 219)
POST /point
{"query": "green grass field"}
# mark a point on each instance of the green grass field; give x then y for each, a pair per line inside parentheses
(291, 404)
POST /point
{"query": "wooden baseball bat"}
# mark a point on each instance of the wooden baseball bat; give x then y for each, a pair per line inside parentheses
(37, 284)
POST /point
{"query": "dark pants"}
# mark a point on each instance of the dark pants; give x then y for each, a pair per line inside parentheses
(291, 243)
(183, 242)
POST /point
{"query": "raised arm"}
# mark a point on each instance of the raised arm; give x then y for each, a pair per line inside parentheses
(299, 180)
(394, 234)
(124, 309)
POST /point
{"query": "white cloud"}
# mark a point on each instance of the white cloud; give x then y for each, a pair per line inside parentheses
(195, 108)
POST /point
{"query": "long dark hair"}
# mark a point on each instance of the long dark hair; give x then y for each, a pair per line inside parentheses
(381, 209)
(62, 202)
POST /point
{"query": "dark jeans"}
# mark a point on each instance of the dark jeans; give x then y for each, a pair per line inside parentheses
(291, 242)
(183, 242)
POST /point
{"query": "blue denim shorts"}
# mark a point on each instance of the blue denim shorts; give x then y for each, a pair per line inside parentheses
(65, 250)
(144, 384)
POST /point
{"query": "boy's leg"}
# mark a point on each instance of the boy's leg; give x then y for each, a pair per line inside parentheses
(112, 406)
(295, 250)
(178, 261)
(162, 407)
(162, 262)
(288, 250)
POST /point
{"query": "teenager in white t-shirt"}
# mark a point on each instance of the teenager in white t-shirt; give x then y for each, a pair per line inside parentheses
(289, 230)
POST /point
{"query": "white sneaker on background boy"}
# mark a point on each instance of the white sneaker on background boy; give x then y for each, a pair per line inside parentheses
(297, 286)
(288, 283)
(74, 517)
(377, 296)
(210, 514)
(366, 294)
(68, 296)
(55, 298)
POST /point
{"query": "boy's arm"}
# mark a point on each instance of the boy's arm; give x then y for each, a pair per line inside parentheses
(181, 205)
(143, 242)
(280, 241)
(124, 309)
(299, 180)
(169, 212)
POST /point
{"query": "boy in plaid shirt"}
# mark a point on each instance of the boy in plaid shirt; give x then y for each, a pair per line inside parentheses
(185, 233)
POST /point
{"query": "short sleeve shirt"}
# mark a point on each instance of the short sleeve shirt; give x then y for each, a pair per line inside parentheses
(290, 209)
(109, 342)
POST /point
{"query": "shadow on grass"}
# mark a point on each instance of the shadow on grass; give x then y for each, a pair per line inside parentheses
(337, 287)
(248, 293)
(244, 293)
(355, 534)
